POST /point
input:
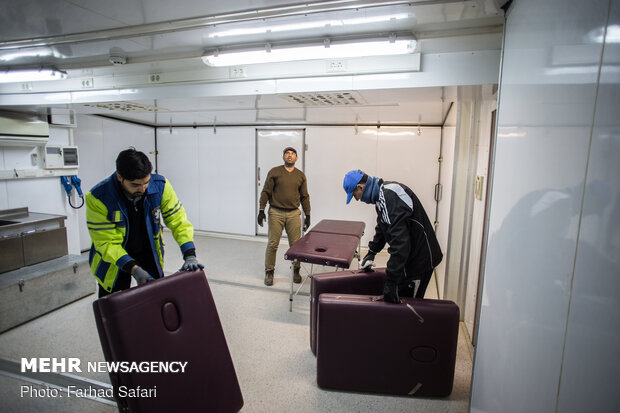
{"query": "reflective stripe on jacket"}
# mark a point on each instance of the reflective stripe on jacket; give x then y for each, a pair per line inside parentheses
(106, 218)
(404, 225)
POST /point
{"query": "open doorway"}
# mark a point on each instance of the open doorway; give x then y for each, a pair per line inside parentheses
(269, 146)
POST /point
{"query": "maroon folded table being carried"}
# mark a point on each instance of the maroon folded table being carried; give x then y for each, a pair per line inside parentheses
(168, 322)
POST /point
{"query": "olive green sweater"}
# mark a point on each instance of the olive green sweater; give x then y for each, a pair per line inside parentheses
(285, 190)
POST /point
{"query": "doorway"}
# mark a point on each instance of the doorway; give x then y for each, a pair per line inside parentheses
(269, 146)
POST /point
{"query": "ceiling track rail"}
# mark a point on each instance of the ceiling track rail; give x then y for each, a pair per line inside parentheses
(377, 125)
(305, 125)
(151, 29)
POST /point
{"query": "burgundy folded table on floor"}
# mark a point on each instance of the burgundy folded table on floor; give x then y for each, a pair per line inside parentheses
(365, 344)
(342, 282)
(172, 319)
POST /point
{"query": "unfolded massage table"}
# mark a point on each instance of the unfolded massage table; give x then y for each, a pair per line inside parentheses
(332, 243)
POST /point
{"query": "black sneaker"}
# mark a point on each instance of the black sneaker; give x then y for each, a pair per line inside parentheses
(296, 276)
(269, 278)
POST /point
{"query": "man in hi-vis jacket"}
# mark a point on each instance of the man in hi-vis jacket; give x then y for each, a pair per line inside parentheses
(404, 225)
(123, 214)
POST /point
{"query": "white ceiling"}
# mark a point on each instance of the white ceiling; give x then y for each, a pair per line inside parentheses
(169, 37)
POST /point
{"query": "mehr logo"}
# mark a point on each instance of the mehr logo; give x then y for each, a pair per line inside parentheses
(51, 365)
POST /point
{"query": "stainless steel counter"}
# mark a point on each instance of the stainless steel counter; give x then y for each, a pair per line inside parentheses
(28, 238)
(20, 220)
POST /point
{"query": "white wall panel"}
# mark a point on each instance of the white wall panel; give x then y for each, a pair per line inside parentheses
(44, 195)
(411, 159)
(481, 148)
(4, 193)
(332, 152)
(118, 136)
(99, 141)
(93, 166)
(449, 139)
(212, 174)
(394, 154)
(591, 368)
(227, 178)
(179, 161)
(541, 164)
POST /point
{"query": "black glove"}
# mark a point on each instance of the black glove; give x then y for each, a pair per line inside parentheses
(191, 264)
(261, 217)
(307, 222)
(368, 261)
(390, 293)
(141, 276)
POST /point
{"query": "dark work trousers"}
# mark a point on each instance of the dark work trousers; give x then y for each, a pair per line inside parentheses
(406, 287)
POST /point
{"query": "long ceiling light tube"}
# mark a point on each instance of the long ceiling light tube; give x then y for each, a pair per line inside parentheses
(308, 25)
(152, 29)
(31, 75)
(328, 49)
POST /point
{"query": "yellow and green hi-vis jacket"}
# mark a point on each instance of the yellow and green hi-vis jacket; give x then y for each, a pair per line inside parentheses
(106, 218)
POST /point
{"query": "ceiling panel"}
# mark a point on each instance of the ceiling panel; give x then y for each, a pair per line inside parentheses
(71, 39)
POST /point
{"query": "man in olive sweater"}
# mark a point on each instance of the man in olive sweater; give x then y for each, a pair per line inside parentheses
(285, 188)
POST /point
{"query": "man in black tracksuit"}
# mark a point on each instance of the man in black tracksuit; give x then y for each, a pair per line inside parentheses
(403, 224)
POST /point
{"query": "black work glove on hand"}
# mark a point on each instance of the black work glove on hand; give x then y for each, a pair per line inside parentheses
(141, 276)
(191, 264)
(390, 293)
(368, 261)
(307, 222)
(261, 217)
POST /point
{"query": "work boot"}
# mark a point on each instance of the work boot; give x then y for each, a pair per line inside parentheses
(269, 278)
(296, 276)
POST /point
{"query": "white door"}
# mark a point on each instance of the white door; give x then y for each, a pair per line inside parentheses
(270, 144)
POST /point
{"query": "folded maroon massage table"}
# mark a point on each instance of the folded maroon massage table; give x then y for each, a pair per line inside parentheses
(171, 319)
(342, 282)
(331, 243)
(365, 344)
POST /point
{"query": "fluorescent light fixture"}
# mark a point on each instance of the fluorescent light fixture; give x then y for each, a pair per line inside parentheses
(612, 35)
(31, 52)
(31, 75)
(327, 50)
(308, 25)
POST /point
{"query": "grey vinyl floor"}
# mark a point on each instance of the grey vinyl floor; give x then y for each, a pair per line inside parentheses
(269, 345)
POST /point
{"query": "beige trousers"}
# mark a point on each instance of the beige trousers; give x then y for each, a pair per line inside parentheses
(278, 220)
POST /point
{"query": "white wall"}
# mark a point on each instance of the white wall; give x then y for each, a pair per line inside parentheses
(481, 148)
(548, 332)
(213, 175)
(99, 141)
(394, 154)
(447, 167)
(43, 195)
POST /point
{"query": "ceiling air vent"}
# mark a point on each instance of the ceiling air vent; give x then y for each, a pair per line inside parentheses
(326, 99)
(125, 107)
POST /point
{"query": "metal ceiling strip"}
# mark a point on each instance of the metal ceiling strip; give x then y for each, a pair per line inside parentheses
(150, 29)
